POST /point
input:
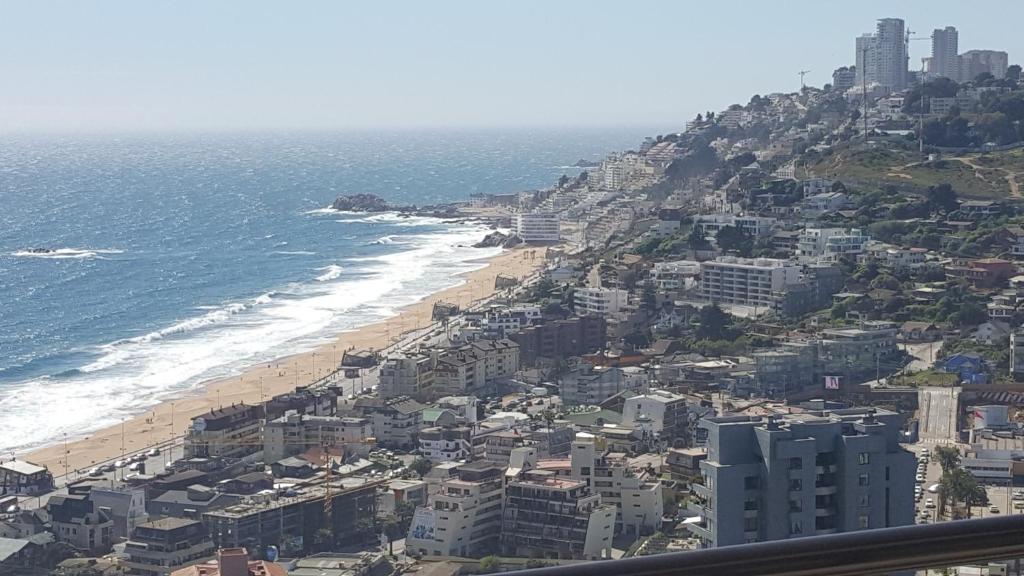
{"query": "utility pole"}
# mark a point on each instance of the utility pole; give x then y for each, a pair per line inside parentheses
(802, 73)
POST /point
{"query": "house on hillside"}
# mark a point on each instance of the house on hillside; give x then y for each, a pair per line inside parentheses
(920, 332)
(970, 367)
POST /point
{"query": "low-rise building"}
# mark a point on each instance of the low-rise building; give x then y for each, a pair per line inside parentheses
(747, 281)
(291, 521)
(636, 495)
(538, 227)
(21, 477)
(600, 301)
(561, 339)
(162, 546)
(660, 413)
(229, 432)
(464, 517)
(126, 505)
(76, 520)
(406, 374)
(446, 444)
(294, 433)
(831, 244)
(756, 226)
(395, 422)
(591, 385)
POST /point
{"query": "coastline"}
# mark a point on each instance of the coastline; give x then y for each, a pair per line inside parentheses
(171, 418)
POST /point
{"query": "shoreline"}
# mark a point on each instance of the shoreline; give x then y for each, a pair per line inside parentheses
(169, 419)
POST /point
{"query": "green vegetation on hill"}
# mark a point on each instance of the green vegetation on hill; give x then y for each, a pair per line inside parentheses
(986, 175)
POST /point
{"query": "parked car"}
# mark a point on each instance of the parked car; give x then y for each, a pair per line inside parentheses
(929, 503)
(153, 452)
(97, 471)
(993, 510)
(120, 464)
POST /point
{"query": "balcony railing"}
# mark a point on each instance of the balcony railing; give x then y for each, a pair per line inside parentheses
(866, 552)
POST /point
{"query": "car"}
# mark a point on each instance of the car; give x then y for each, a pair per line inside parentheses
(1018, 495)
(153, 452)
(1018, 505)
(135, 466)
(107, 467)
(919, 478)
(925, 514)
(929, 503)
(993, 510)
(96, 471)
(924, 451)
(120, 463)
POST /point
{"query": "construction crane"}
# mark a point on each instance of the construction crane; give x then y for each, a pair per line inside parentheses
(803, 73)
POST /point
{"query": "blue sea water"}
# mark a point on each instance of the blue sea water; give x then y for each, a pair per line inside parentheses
(184, 258)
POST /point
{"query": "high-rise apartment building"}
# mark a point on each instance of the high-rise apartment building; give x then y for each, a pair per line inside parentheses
(882, 56)
(801, 475)
(945, 61)
(974, 62)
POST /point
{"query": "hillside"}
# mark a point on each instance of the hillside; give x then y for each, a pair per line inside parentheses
(990, 175)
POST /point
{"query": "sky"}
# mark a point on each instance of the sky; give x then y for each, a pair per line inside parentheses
(184, 65)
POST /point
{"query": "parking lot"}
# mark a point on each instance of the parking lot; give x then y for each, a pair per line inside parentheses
(1000, 498)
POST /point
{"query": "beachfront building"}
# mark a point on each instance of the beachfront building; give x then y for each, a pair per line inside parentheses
(296, 433)
(463, 518)
(162, 546)
(291, 522)
(555, 517)
(538, 227)
(230, 432)
(754, 282)
(406, 374)
(395, 422)
(21, 477)
(802, 475)
(475, 368)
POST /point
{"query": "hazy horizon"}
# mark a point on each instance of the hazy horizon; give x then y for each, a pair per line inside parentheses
(120, 66)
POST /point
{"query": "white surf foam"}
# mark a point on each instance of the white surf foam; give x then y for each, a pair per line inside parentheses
(130, 375)
(65, 253)
(330, 273)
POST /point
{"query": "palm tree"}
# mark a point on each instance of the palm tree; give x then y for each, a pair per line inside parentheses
(948, 457)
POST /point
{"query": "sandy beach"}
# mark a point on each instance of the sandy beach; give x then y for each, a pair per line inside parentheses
(172, 418)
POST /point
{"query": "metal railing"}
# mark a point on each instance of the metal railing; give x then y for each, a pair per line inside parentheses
(880, 551)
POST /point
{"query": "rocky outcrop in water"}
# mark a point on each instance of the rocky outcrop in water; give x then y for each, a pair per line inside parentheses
(499, 240)
(362, 203)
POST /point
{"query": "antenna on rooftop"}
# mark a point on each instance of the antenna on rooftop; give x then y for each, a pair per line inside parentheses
(803, 73)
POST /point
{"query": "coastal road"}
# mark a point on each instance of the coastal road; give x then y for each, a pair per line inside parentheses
(938, 409)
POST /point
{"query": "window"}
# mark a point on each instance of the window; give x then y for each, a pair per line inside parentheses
(865, 500)
(585, 471)
(749, 524)
(751, 483)
(864, 480)
(796, 527)
(796, 464)
(796, 485)
(796, 505)
(863, 521)
(864, 458)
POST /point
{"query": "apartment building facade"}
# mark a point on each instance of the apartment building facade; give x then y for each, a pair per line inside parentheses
(296, 433)
(801, 475)
(227, 432)
(747, 281)
(164, 545)
(555, 517)
(538, 227)
(463, 518)
(637, 498)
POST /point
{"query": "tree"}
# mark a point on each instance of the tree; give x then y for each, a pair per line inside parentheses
(942, 197)
(421, 466)
(490, 564)
(714, 323)
(695, 240)
(948, 457)
(970, 314)
(734, 239)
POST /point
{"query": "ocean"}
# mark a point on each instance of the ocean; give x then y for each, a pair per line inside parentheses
(177, 259)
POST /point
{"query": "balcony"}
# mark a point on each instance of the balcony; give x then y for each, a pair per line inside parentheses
(866, 552)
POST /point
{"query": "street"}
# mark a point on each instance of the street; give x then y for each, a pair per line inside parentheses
(938, 408)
